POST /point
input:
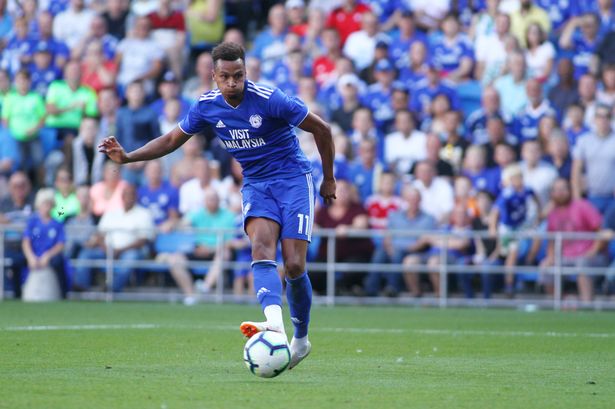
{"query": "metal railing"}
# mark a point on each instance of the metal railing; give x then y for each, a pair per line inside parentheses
(331, 266)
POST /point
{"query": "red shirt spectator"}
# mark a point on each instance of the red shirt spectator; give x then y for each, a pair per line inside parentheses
(577, 216)
(347, 19)
(173, 21)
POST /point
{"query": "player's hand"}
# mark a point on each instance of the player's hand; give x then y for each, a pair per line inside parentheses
(327, 190)
(112, 148)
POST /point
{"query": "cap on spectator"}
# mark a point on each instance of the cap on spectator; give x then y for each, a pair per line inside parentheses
(383, 65)
(291, 4)
(382, 44)
(42, 47)
(169, 76)
(407, 14)
(348, 79)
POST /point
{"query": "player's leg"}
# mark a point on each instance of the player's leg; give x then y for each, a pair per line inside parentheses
(264, 235)
(298, 295)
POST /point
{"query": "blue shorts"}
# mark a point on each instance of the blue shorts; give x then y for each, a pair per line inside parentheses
(288, 202)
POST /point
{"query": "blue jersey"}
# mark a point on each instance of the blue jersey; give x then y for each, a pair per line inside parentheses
(559, 11)
(400, 47)
(43, 236)
(159, 201)
(259, 132)
(378, 100)
(582, 53)
(513, 206)
(573, 136)
(424, 93)
(41, 78)
(525, 125)
(448, 56)
(487, 179)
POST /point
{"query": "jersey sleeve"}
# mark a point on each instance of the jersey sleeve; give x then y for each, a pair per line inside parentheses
(193, 122)
(291, 109)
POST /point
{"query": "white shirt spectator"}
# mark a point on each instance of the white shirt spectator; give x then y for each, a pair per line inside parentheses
(192, 195)
(491, 51)
(123, 228)
(360, 47)
(71, 26)
(540, 179)
(537, 61)
(437, 200)
(403, 151)
(598, 156)
(138, 55)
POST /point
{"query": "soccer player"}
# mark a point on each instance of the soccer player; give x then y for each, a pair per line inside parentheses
(255, 123)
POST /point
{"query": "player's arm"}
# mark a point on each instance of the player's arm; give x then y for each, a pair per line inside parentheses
(324, 142)
(154, 149)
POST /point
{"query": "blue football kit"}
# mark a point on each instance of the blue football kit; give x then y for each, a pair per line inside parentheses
(260, 134)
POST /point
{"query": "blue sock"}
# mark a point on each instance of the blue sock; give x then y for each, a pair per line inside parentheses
(299, 295)
(267, 283)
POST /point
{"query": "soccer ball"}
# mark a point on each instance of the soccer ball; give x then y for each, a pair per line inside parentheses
(267, 354)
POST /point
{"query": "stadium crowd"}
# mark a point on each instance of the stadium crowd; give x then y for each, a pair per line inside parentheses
(448, 116)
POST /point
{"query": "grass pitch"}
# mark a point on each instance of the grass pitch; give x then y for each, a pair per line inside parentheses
(137, 355)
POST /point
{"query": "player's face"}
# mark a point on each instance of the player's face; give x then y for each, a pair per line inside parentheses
(230, 77)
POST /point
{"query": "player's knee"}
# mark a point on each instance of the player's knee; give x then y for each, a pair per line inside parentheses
(294, 268)
(262, 251)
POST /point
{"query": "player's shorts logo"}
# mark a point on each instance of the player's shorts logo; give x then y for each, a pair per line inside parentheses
(256, 121)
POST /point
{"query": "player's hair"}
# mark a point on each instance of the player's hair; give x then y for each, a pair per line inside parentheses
(228, 51)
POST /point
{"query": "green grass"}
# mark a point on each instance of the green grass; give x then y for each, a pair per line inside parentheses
(362, 358)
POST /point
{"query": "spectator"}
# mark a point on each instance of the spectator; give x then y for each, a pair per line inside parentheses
(474, 168)
(116, 16)
(580, 38)
(80, 229)
(65, 199)
(402, 42)
(454, 145)
(97, 72)
(124, 233)
(348, 89)
(559, 155)
(98, 32)
(594, 158)
(363, 127)
(203, 82)
(269, 44)
(87, 161)
(565, 92)
(68, 102)
(106, 195)
(43, 70)
(6, 21)
(139, 57)
(108, 104)
(427, 89)
(365, 171)
(537, 174)
(527, 14)
(453, 53)
(606, 95)
(15, 209)
(496, 133)
(396, 248)
(406, 145)
(44, 239)
(432, 149)
(379, 205)
(511, 86)
(588, 86)
(71, 26)
(209, 216)
(457, 246)
(540, 53)
(360, 45)
(509, 216)
(191, 193)
(23, 114)
(574, 124)
(206, 21)
(436, 193)
(547, 125)
(486, 254)
(169, 32)
(169, 89)
(416, 69)
(573, 215)
(525, 124)
(342, 215)
(159, 197)
(323, 68)
(378, 96)
(428, 14)
(15, 54)
(434, 123)
(347, 18)
(171, 115)
(476, 123)
(490, 49)
(295, 10)
(137, 124)
(312, 39)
